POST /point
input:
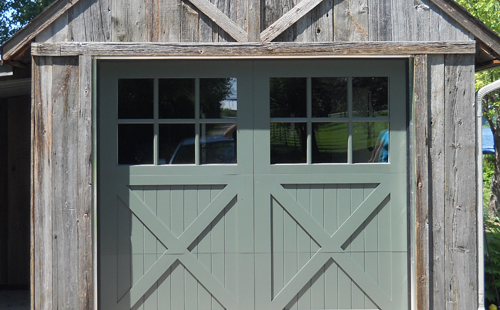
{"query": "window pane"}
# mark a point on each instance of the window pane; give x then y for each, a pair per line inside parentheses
(370, 142)
(135, 144)
(288, 97)
(176, 144)
(176, 98)
(218, 143)
(135, 98)
(370, 97)
(218, 98)
(329, 97)
(288, 143)
(329, 142)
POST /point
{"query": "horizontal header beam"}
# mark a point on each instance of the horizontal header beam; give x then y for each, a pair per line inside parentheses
(278, 49)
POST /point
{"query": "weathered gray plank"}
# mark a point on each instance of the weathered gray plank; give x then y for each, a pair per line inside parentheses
(57, 31)
(421, 97)
(422, 17)
(403, 19)
(189, 23)
(128, 21)
(437, 170)
(445, 28)
(380, 20)
(288, 19)
(460, 229)
(89, 21)
(42, 183)
(253, 49)
(64, 186)
(272, 10)
(317, 25)
(254, 20)
(351, 20)
(221, 19)
(84, 178)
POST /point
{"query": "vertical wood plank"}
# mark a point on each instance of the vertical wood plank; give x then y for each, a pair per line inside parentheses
(189, 23)
(128, 21)
(437, 177)
(277, 248)
(42, 175)
(460, 195)
(351, 20)
(85, 201)
(422, 179)
(64, 186)
(380, 20)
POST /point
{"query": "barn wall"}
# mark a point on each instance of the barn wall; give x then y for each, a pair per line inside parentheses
(180, 21)
(446, 182)
(62, 200)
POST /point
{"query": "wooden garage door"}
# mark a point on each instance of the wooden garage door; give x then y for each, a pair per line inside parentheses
(252, 184)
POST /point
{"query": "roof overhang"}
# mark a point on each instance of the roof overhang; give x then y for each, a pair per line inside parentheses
(17, 50)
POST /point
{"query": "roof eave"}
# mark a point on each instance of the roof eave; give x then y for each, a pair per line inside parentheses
(20, 41)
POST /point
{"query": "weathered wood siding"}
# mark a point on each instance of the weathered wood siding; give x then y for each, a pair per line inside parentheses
(182, 21)
(62, 200)
(446, 182)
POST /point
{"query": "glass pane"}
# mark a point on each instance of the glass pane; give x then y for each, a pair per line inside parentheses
(135, 144)
(176, 144)
(176, 98)
(135, 98)
(370, 142)
(218, 143)
(329, 97)
(329, 142)
(288, 97)
(370, 97)
(288, 143)
(218, 98)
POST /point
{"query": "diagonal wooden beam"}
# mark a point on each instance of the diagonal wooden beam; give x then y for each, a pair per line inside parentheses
(221, 19)
(287, 20)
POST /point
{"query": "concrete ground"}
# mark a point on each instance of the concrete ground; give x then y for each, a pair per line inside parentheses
(14, 300)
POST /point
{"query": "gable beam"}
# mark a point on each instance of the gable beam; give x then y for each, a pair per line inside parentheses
(221, 19)
(272, 49)
(287, 20)
(16, 43)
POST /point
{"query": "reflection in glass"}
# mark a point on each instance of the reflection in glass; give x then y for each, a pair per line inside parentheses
(329, 97)
(135, 98)
(370, 97)
(218, 98)
(329, 143)
(176, 98)
(288, 97)
(218, 143)
(370, 142)
(135, 144)
(288, 143)
(176, 144)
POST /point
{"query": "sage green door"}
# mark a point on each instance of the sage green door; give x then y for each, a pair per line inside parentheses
(252, 184)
